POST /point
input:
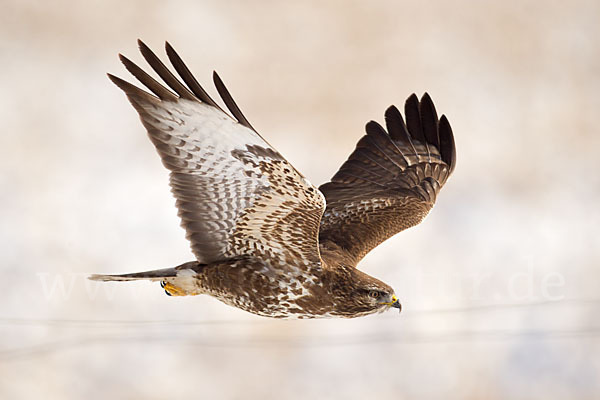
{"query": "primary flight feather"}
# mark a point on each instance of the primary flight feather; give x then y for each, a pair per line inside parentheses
(265, 239)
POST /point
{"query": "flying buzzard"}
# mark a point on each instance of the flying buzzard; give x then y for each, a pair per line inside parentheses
(265, 239)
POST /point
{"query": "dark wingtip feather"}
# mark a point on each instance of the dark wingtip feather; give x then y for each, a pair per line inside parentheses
(114, 79)
(413, 119)
(429, 120)
(188, 77)
(229, 102)
(373, 127)
(151, 83)
(396, 126)
(122, 84)
(447, 145)
(423, 125)
(130, 89)
(162, 71)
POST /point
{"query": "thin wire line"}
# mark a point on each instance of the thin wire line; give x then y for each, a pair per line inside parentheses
(416, 313)
(300, 342)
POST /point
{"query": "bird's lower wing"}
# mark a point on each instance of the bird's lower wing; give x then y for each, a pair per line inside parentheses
(236, 195)
(390, 181)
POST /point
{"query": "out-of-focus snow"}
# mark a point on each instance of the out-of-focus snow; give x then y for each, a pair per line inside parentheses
(83, 191)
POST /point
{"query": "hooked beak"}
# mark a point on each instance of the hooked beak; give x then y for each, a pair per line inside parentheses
(395, 303)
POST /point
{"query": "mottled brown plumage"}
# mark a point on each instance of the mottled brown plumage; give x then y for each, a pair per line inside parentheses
(265, 239)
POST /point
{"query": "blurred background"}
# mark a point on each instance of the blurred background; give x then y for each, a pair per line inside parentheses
(499, 284)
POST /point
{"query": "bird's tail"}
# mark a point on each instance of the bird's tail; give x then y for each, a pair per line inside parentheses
(155, 275)
(177, 281)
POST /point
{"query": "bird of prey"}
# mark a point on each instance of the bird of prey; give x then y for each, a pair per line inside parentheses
(264, 238)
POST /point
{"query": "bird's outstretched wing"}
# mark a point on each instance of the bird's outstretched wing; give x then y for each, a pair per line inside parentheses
(236, 195)
(390, 181)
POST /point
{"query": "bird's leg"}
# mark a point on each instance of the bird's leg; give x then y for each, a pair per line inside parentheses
(172, 290)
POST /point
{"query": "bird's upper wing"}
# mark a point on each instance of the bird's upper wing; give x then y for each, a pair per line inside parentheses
(390, 181)
(236, 195)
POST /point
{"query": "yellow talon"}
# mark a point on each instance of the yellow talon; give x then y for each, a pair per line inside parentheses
(173, 290)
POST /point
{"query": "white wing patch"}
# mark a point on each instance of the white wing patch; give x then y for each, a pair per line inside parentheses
(236, 195)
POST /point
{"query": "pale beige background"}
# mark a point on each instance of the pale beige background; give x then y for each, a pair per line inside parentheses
(82, 191)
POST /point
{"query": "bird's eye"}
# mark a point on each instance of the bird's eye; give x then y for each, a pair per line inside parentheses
(374, 294)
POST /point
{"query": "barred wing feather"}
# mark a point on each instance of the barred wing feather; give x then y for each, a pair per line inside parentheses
(390, 181)
(236, 195)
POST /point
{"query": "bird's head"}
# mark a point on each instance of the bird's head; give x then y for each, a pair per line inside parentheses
(360, 294)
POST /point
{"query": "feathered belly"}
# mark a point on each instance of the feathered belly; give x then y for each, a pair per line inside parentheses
(256, 289)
